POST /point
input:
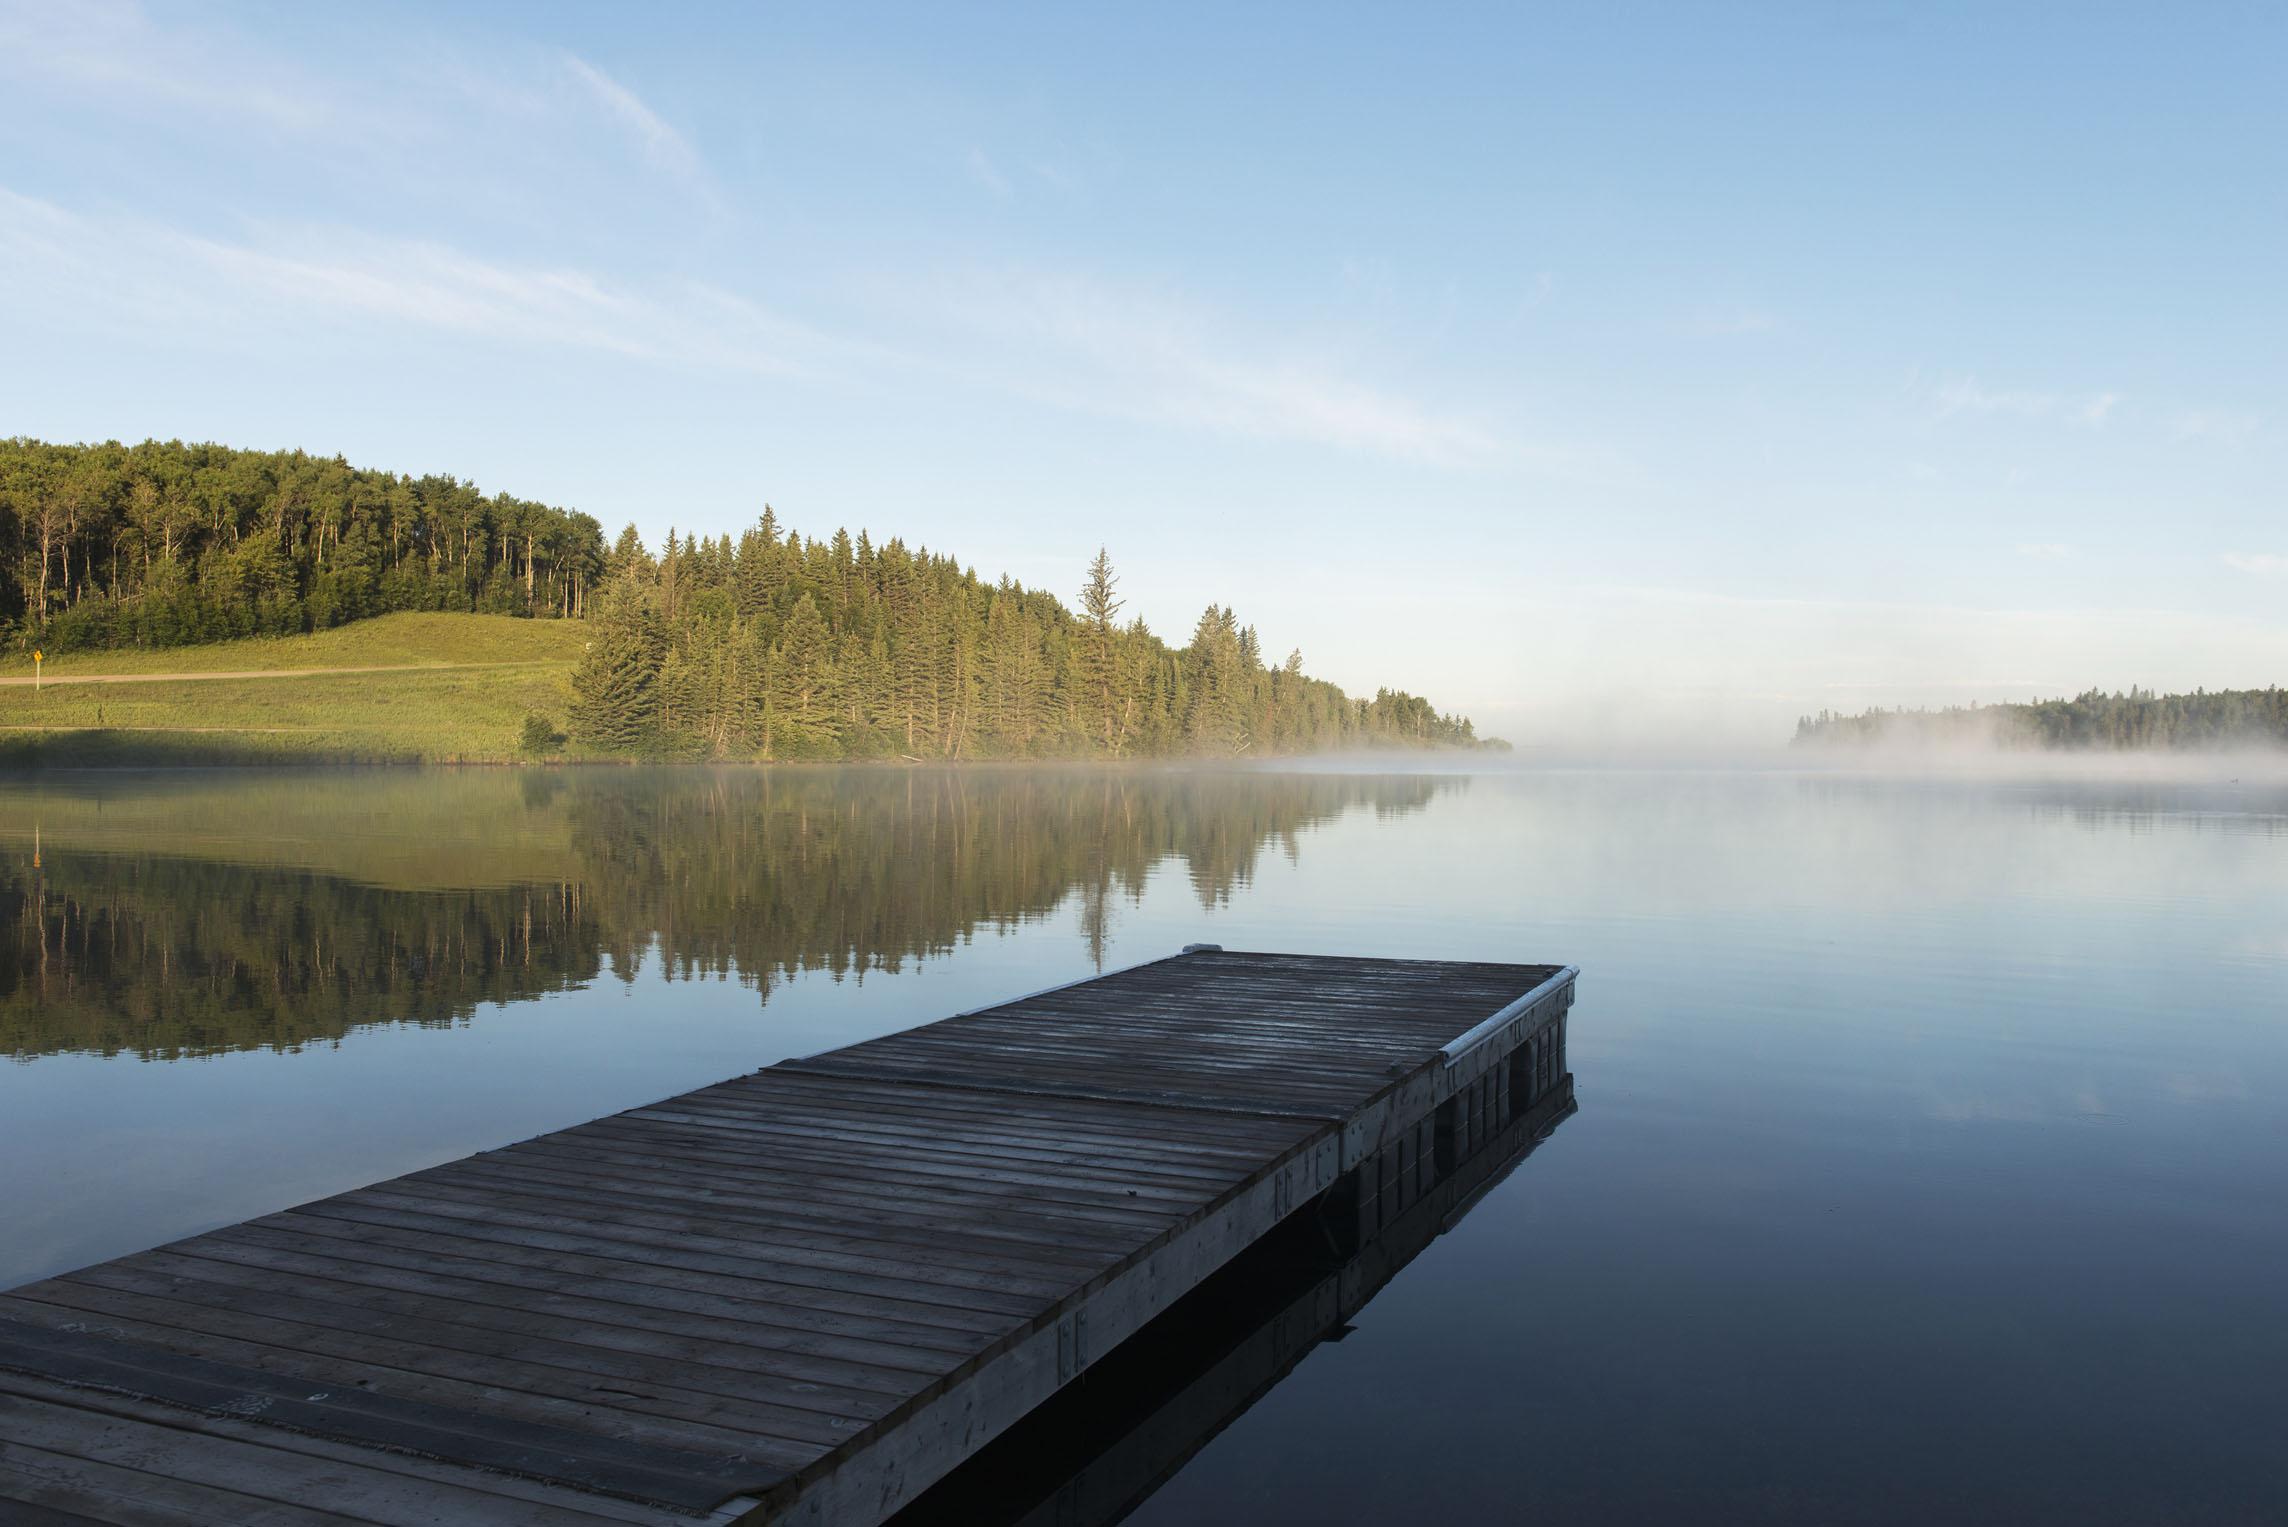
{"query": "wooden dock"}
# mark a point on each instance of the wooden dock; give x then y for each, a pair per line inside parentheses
(1096, 1451)
(804, 1295)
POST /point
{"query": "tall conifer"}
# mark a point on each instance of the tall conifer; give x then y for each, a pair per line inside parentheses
(615, 686)
(1100, 661)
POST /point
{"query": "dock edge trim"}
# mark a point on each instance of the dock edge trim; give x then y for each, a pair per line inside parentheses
(1457, 1049)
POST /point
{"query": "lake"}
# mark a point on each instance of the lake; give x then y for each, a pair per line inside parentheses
(1930, 1161)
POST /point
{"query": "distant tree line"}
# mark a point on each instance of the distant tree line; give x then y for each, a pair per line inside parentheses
(776, 647)
(165, 544)
(2094, 720)
(787, 647)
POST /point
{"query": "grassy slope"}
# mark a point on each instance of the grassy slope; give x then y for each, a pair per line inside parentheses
(454, 714)
(422, 637)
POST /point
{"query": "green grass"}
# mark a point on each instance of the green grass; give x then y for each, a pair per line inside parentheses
(469, 713)
(384, 641)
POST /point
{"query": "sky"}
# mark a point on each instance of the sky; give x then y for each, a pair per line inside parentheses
(1614, 374)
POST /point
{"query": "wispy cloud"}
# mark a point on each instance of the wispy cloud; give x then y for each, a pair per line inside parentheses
(2264, 564)
(1066, 343)
(1967, 396)
(2212, 424)
(1143, 354)
(981, 170)
(117, 58)
(167, 275)
(115, 49)
(1073, 344)
(663, 148)
(2046, 551)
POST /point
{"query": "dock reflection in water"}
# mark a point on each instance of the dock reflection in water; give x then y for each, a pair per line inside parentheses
(1099, 1449)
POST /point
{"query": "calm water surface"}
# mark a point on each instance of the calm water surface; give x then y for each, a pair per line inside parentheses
(1931, 1159)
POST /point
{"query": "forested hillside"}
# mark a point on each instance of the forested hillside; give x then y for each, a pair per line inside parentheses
(166, 544)
(2094, 720)
(788, 647)
(775, 646)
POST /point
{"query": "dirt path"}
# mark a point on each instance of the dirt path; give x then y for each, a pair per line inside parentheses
(253, 673)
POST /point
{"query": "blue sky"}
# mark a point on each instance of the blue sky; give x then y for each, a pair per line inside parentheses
(1667, 369)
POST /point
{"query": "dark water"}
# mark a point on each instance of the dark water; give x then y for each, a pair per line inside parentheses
(1931, 1160)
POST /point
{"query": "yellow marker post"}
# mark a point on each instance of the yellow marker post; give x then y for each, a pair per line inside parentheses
(35, 673)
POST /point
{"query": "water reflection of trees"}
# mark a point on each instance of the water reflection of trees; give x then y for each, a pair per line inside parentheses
(185, 917)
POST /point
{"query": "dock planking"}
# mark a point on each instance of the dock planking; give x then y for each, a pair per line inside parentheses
(1096, 1451)
(801, 1295)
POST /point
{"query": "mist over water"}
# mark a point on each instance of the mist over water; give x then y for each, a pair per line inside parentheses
(1931, 1160)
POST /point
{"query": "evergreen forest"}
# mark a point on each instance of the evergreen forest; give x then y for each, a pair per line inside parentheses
(776, 646)
(165, 544)
(787, 647)
(2140, 718)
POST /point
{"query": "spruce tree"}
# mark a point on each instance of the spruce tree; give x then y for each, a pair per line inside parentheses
(1100, 662)
(803, 699)
(615, 686)
(628, 557)
(1211, 718)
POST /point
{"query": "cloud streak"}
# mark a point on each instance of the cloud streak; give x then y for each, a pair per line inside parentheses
(115, 49)
(663, 148)
(1966, 396)
(1076, 345)
(1139, 353)
(981, 170)
(166, 275)
(2212, 424)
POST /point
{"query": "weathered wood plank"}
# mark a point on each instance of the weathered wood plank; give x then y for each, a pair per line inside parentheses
(202, 1473)
(723, 1334)
(584, 1507)
(921, 1220)
(737, 1160)
(323, 1357)
(702, 1367)
(1176, 1151)
(1014, 1274)
(549, 1276)
(846, 1311)
(47, 1489)
(784, 1266)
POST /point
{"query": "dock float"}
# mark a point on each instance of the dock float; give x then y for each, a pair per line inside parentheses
(804, 1295)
